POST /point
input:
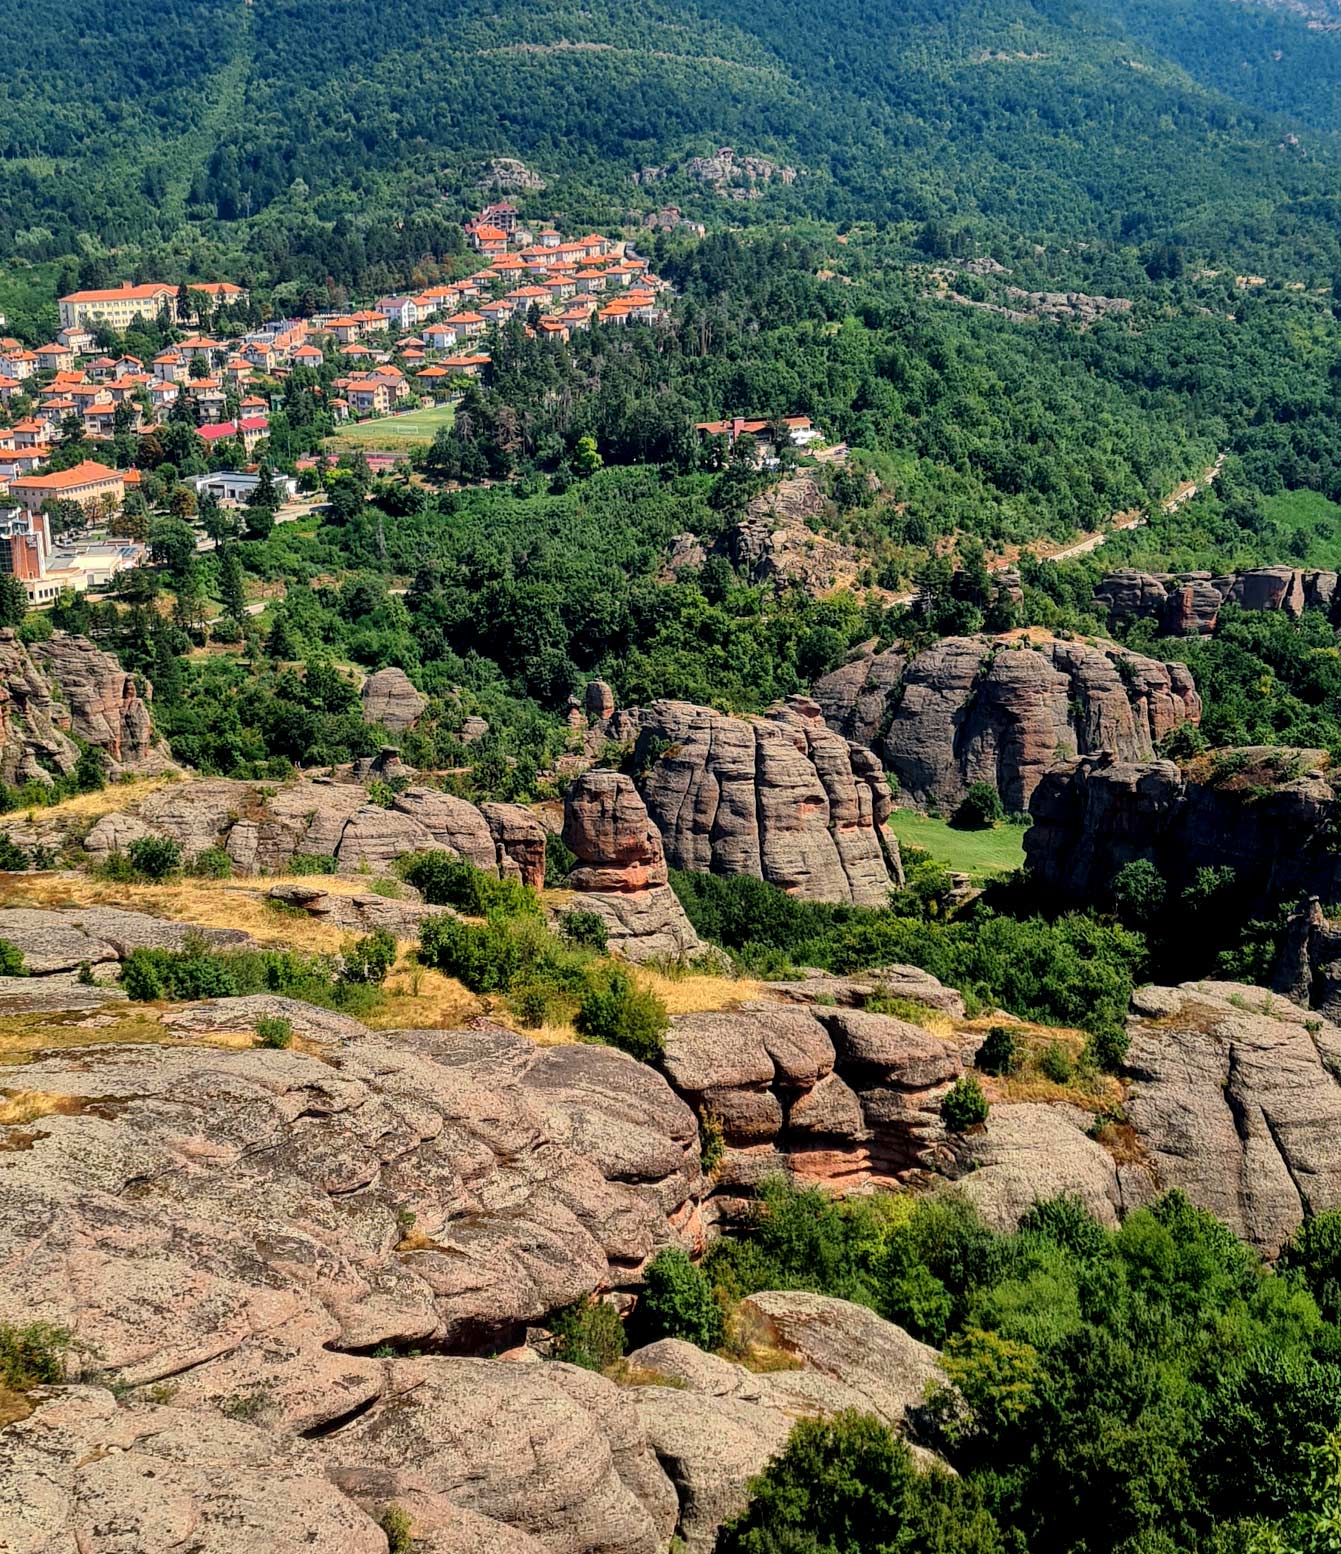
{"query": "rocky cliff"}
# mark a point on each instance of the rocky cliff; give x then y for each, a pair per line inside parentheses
(262, 828)
(1270, 814)
(62, 690)
(1002, 710)
(1188, 603)
(779, 797)
(621, 869)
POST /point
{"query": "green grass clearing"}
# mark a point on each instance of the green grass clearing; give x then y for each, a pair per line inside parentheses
(1309, 513)
(415, 429)
(979, 854)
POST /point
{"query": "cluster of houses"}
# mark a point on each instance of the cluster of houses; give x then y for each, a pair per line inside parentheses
(380, 357)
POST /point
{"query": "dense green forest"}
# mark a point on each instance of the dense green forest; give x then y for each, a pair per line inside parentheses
(296, 140)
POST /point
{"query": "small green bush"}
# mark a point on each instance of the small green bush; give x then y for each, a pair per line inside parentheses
(399, 1530)
(678, 1301)
(999, 1053)
(443, 879)
(311, 863)
(154, 857)
(711, 1143)
(197, 971)
(586, 930)
(964, 1105)
(32, 1355)
(212, 864)
(626, 1016)
(273, 1030)
(11, 960)
(13, 859)
(531, 1004)
(588, 1333)
(115, 868)
(980, 807)
(368, 960)
(1055, 1063)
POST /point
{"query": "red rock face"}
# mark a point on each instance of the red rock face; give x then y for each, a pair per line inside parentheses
(606, 825)
(1189, 605)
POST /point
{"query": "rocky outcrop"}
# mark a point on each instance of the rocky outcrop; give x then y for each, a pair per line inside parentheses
(1308, 968)
(621, 869)
(433, 1189)
(840, 1096)
(1031, 1152)
(390, 700)
(1235, 1099)
(1270, 814)
(1188, 604)
(714, 1424)
(263, 829)
(1003, 710)
(64, 690)
(52, 941)
(780, 797)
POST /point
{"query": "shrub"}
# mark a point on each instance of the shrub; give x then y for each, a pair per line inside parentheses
(980, 807)
(32, 1355)
(369, 959)
(626, 1016)
(999, 1053)
(154, 857)
(1055, 1063)
(11, 960)
(711, 1143)
(197, 971)
(273, 1030)
(588, 1333)
(1139, 892)
(443, 879)
(964, 1105)
(311, 863)
(399, 1530)
(212, 864)
(587, 930)
(115, 868)
(13, 859)
(531, 1004)
(678, 1301)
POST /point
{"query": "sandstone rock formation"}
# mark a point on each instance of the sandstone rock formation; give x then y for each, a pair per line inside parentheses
(1188, 604)
(621, 869)
(55, 941)
(430, 1188)
(390, 700)
(779, 797)
(1234, 1096)
(840, 1096)
(1308, 969)
(714, 1424)
(66, 687)
(1003, 710)
(1268, 813)
(263, 829)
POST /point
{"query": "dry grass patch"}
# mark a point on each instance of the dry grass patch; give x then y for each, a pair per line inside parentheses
(696, 993)
(418, 998)
(24, 1036)
(20, 1106)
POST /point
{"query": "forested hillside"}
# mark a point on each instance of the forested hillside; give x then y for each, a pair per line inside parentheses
(255, 125)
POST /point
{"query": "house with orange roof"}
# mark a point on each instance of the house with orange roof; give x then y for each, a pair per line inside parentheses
(507, 265)
(497, 312)
(489, 239)
(100, 420)
(468, 323)
(54, 357)
(590, 280)
(560, 287)
(116, 306)
(169, 366)
(163, 394)
(346, 328)
(548, 237)
(125, 364)
(221, 293)
(85, 483)
(553, 329)
(307, 355)
(201, 347)
(471, 366)
(18, 363)
(8, 388)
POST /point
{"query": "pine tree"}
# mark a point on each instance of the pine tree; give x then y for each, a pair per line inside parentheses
(232, 595)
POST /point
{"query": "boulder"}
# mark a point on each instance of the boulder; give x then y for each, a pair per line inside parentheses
(390, 701)
(362, 913)
(373, 839)
(599, 700)
(454, 824)
(57, 941)
(1003, 710)
(1031, 1152)
(519, 842)
(439, 1189)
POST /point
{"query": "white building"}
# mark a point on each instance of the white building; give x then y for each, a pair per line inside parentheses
(234, 487)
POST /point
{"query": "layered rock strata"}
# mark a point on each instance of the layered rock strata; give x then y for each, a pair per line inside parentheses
(263, 829)
(65, 690)
(1002, 710)
(621, 869)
